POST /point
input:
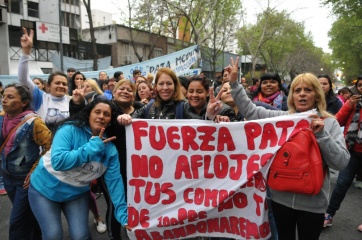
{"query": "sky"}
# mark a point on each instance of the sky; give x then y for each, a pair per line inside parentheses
(318, 19)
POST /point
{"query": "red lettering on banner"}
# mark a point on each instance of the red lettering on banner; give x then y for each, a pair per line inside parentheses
(141, 167)
(265, 158)
(188, 138)
(300, 125)
(257, 181)
(139, 132)
(235, 172)
(149, 188)
(224, 137)
(238, 200)
(233, 225)
(161, 142)
(252, 131)
(284, 125)
(252, 166)
(259, 204)
(200, 196)
(206, 138)
(191, 169)
(172, 135)
(269, 135)
(160, 136)
(138, 217)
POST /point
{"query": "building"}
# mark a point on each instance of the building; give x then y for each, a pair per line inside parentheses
(44, 18)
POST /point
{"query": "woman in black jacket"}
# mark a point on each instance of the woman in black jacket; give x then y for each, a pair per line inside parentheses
(333, 102)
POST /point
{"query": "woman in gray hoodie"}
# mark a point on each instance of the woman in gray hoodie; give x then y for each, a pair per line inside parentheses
(293, 210)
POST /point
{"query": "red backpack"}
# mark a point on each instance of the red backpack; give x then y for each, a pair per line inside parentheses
(297, 166)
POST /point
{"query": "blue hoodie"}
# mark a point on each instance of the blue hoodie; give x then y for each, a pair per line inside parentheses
(75, 159)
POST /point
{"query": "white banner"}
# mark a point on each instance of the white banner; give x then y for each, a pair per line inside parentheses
(190, 178)
(50, 33)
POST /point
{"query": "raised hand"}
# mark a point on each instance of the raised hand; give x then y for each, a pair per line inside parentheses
(78, 96)
(233, 69)
(26, 41)
(214, 105)
(108, 139)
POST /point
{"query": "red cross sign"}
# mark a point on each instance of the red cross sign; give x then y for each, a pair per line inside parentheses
(43, 28)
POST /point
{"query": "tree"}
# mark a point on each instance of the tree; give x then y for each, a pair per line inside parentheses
(219, 31)
(252, 37)
(87, 4)
(197, 14)
(346, 42)
(148, 16)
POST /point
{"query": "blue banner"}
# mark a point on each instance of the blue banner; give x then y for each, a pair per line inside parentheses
(180, 62)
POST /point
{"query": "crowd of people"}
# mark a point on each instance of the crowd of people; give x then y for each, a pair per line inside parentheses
(75, 125)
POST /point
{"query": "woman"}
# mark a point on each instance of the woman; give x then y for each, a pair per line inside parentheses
(24, 132)
(124, 103)
(79, 154)
(197, 96)
(168, 99)
(333, 103)
(88, 91)
(82, 96)
(344, 94)
(76, 81)
(39, 83)
(270, 91)
(144, 92)
(349, 117)
(228, 99)
(52, 107)
(291, 210)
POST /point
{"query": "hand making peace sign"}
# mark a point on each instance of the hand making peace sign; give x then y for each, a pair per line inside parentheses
(214, 105)
(26, 41)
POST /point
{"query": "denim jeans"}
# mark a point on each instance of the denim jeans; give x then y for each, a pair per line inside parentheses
(344, 181)
(22, 224)
(48, 213)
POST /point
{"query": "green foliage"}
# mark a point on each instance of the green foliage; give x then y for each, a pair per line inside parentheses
(346, 42)
(280, 43)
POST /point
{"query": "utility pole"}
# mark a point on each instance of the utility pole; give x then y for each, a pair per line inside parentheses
(61, 36)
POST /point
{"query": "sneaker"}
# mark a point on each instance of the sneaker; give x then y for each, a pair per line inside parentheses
(3, 191)
(101, 227)
(358, 184)
(327, 220)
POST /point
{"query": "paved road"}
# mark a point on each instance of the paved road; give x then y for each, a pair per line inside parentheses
(344, 223)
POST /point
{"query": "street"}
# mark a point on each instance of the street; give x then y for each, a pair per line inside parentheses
(345, 222)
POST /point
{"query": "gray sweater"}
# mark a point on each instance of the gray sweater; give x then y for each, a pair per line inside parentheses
(331, 143)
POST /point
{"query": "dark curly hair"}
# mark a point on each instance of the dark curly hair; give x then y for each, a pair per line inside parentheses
(24, 93)
(81, 118)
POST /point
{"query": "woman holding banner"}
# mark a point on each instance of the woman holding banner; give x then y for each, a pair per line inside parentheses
(291, 210)
(198, 94)
(169, 102)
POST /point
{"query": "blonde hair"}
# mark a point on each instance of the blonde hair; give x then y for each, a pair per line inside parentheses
(94, 85)
(125, 81)
(312, 81)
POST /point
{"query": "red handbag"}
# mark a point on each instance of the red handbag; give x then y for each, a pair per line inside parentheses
(297, 166)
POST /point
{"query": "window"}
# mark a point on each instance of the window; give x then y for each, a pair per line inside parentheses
(15, 6)
(33, 9)
(157, 52)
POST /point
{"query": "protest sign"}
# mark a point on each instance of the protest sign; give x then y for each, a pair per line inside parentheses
(190, 178)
